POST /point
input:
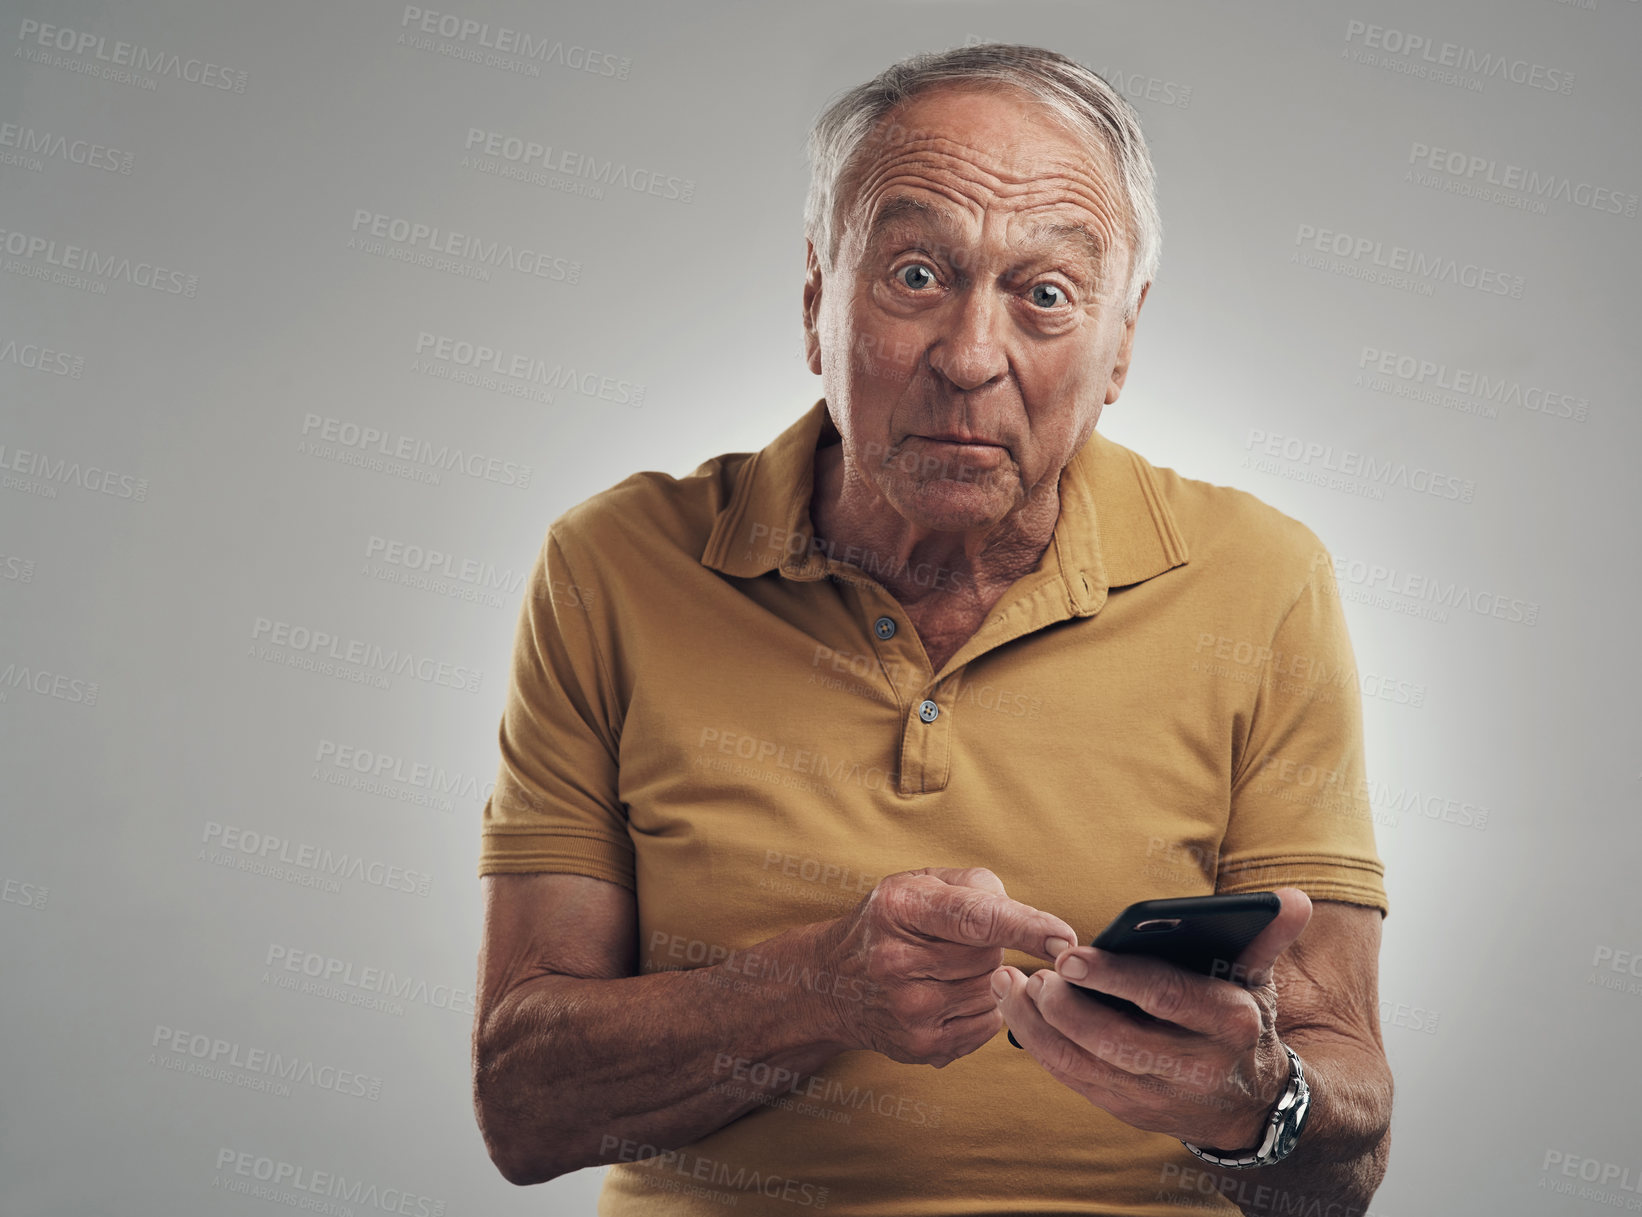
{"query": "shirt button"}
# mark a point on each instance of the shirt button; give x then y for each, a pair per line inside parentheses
(928, 711)
(884, 627)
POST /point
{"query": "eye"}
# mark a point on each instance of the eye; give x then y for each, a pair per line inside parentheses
(915, 275)
(1047, 295)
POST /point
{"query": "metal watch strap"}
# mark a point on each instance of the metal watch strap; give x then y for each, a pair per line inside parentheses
(1282, 1128)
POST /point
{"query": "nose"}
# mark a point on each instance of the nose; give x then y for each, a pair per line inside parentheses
(969, 351)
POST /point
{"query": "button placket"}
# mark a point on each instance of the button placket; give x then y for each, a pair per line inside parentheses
(925, 747)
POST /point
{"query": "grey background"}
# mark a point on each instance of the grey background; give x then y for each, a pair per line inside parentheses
(119, 925)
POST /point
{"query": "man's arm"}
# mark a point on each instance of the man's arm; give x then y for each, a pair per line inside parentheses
(569, 1046)
(1328, 1012)
(1213, 1070)
(572, 1050)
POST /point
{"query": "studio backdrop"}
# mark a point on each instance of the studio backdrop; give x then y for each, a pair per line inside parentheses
(314, 316)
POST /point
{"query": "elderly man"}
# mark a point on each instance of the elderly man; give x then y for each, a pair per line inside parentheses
(819, 763)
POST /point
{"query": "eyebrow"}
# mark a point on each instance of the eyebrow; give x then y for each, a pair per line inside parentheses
(1042, 232)
(1058, 231)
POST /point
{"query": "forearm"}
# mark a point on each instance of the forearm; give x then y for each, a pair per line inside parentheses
(1343, 1149)
(564, 1064)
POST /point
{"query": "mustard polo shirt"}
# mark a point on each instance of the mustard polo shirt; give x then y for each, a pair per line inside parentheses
(741, 727)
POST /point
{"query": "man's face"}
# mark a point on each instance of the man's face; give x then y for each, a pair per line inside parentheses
(971, 330)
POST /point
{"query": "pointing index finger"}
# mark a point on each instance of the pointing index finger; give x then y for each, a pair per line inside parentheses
(986, 919)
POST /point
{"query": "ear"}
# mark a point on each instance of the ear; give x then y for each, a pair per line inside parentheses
(1120, 369)
(812, 307)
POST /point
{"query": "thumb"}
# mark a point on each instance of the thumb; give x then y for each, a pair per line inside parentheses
(1258, 958)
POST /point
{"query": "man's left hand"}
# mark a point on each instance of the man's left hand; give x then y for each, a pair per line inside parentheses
(1208, 1073)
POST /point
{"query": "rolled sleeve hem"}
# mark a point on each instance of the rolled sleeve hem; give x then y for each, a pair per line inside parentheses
(523, 853)
(1322, 877)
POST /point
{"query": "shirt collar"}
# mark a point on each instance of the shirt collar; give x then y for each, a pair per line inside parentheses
(1114, 528)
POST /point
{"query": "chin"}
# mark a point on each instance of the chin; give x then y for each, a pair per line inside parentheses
(951, 507)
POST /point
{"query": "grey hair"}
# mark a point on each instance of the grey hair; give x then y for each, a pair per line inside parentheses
(1080, 98)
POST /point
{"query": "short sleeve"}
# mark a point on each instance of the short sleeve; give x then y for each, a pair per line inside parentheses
(555, 806)
(1300, 808)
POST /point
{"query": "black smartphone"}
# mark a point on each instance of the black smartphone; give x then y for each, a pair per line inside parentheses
(1203, 934)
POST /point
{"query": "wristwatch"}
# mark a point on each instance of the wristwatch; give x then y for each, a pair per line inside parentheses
(1282, 1129)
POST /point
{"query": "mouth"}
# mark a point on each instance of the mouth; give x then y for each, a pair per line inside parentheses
(954, 437)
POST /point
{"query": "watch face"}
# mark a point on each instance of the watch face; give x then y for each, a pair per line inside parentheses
(1292, 1120)
(1288, 1118)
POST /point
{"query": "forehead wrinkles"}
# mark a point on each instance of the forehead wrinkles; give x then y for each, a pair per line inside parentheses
(963, 175)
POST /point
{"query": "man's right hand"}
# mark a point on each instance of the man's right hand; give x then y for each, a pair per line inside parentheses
(924, 943)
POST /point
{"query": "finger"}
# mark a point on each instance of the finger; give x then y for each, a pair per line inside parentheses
(969, 1033)
(1206, 1005)
(1254, 965)
(1154, 1049)
(969, 876)
(954, 962)
(1027, 1027)
(926, 904)
(1153, 1088)
(971, 1000)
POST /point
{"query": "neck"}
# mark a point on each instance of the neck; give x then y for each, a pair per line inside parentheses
(918, 564)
